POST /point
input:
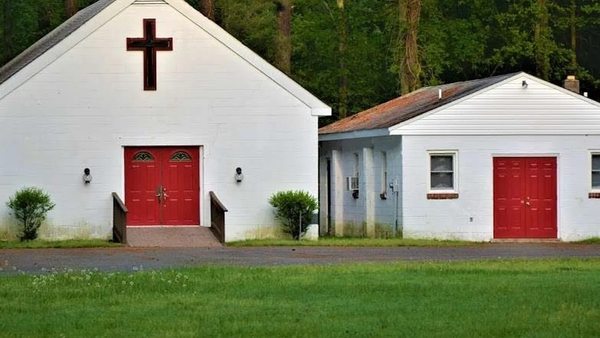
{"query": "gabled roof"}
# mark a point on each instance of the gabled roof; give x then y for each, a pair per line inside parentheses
(85, 22)
(408, 106)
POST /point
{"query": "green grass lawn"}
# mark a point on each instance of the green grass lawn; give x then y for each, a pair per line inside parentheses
(535, 298)
(73, 243)
(351, 242)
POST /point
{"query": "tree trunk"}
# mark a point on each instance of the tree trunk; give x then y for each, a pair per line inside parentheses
(342, 57)
(573, 24)
(283, 40)
(410, 66)
(207, 8)
(70, 7)
(542, 41)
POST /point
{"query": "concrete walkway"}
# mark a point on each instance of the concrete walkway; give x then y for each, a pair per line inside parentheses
(172, 237)
(132, 259)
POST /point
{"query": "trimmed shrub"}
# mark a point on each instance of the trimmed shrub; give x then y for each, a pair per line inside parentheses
(30, 206)
(294, 209)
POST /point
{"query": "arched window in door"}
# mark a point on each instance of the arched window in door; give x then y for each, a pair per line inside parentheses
(143, 156)
(181, 156)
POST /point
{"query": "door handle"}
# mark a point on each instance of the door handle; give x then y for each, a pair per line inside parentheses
(159, 193)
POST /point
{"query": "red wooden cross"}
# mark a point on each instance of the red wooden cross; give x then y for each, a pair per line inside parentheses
(149, 44)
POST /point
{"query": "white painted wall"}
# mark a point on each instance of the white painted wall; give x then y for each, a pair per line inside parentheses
(450, 219)
(351, 216)
(81, 110)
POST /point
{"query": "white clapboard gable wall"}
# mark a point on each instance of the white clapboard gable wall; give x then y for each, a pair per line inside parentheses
(82, 101)
(509, 108)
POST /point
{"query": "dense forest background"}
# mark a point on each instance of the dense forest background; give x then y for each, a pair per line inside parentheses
(354, 54)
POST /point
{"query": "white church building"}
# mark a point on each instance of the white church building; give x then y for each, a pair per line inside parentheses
(154, 102)
(506, 157)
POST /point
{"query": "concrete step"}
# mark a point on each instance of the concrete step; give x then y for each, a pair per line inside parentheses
(171, 237)
(526, 240)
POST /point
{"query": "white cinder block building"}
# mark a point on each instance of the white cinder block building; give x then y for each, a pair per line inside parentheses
(504, 157)
(162, 106)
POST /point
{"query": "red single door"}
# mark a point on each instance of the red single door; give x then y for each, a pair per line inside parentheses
(181, 186)
(142, 177)
(509, 190)
(162, 185)
(525, 197)
(541, 198)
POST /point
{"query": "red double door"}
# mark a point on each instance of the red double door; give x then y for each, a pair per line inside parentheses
(162, 185)
(525, 197)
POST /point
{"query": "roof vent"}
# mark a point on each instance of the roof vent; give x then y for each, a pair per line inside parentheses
(440, 94)
(572, 84)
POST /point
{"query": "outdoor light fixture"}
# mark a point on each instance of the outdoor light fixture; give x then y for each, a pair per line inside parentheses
(239, 177)
(87, 177)
(524, 84)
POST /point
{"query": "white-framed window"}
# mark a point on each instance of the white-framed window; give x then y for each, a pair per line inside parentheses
(595, 171)
(443, 175)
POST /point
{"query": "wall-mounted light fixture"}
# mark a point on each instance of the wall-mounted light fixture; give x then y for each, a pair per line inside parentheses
(524, 84)
(87, 177)
(239, 177)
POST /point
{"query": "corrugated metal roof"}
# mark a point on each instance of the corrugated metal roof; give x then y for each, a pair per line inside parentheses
(411, 105)
(52, 39)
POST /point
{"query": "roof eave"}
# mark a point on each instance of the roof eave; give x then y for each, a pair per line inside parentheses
(316, 106)
(51, 39)
(354, 134)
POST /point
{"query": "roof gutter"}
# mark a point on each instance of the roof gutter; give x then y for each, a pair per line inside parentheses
(354, 134)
